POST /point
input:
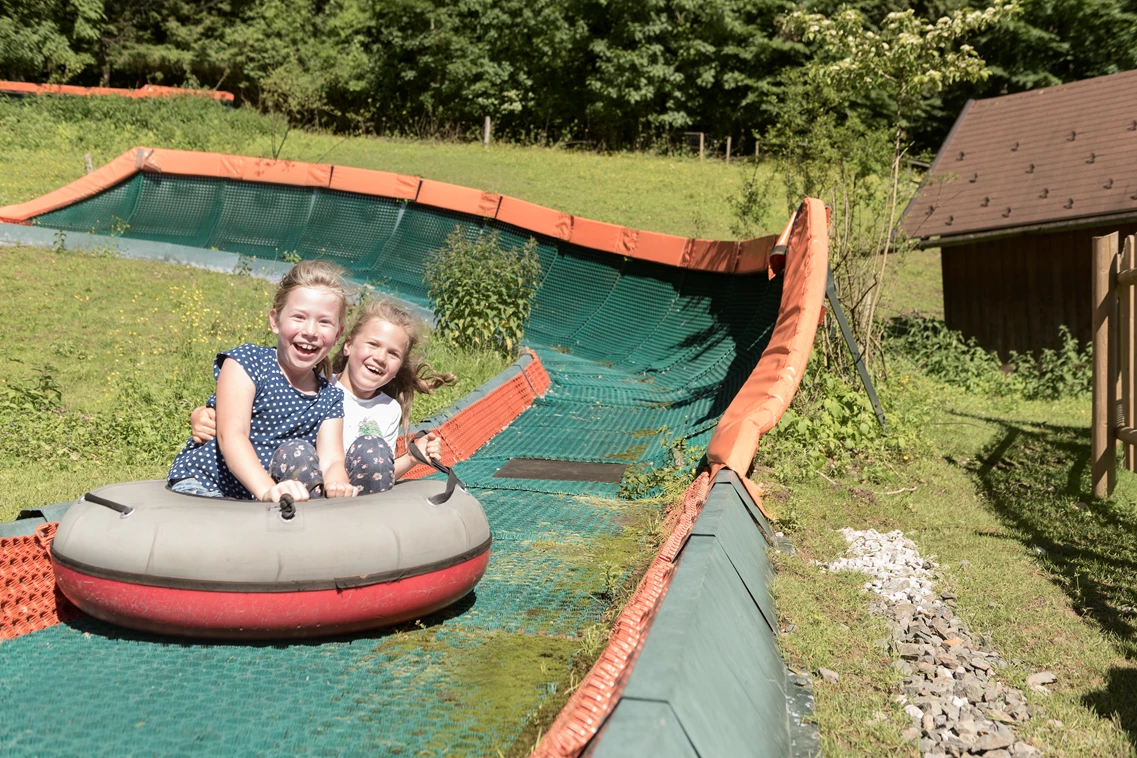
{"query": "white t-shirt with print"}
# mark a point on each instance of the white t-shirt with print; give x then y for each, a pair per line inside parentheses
(379, 416)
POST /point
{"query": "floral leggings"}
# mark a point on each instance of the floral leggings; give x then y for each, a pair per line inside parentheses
(370, 464)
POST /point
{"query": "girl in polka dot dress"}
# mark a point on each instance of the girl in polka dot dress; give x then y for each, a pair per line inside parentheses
(279, 420)
(379, 374)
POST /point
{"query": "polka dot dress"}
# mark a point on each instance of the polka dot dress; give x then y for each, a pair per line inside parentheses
(280, 413)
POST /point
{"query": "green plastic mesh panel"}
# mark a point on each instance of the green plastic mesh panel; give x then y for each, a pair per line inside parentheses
(105, 213)
(639, 354)
(199, 204)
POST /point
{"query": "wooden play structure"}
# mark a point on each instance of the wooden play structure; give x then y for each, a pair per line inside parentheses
(1114, 400)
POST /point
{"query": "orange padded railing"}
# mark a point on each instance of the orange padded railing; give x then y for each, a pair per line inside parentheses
(149, 90)
(728, 257)
(754, 411)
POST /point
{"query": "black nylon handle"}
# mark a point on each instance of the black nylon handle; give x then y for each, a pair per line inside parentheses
(99, 500)
(452, 480)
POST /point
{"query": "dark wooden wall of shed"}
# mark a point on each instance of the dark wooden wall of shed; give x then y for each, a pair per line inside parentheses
(1013, 294)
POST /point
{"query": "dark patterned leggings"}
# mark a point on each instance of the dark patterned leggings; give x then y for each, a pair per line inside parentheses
(370, 464)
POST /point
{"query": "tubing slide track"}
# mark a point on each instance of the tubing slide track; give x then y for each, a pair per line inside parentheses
(636, 338)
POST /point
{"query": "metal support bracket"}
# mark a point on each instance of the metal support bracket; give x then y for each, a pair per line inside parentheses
(858, 359)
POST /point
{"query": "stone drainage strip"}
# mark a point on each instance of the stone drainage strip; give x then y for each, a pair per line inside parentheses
(950, 691)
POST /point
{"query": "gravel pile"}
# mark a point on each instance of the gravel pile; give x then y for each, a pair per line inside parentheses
(951, 691)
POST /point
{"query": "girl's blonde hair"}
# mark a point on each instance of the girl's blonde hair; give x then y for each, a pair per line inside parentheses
(321, 274)
(415, 375)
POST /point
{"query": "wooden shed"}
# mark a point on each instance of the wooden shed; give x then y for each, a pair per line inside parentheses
(1020, 186)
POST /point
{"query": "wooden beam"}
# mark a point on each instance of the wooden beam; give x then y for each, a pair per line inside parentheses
(1128, 313)
(1103, 462)
(1127, 276)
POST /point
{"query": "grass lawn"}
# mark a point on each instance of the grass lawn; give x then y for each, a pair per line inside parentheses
(42, 145)
(1051, 575)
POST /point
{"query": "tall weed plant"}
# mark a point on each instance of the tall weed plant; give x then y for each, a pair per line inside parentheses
(831, 427)
(948, 356)
(482, 292)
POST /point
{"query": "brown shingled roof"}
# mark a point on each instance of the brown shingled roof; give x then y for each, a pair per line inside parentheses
(1050, 155)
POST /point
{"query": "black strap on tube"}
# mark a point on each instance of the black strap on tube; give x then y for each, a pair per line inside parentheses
(452, 480)
(125, 510)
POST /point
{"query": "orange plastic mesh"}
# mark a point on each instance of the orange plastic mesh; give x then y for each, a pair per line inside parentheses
(150, 90)
(586, 710)
(29, 599)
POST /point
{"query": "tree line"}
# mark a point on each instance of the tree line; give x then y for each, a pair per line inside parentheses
(610, 73)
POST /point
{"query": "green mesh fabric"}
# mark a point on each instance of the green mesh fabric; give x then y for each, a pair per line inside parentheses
(639, 354)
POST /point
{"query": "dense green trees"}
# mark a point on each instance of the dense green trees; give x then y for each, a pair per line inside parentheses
(613, 72)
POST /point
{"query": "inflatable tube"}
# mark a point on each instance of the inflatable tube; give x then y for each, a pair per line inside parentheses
(142, 556)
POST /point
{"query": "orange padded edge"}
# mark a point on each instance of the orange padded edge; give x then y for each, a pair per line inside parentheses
(711, 255)
(754, 255)
(461, 199)
(598, 692)
(29, 600)
(707, 255)
(150, 90)
(377, 183)
(106, 176)
(755, 410)
(535, 218)
(768, 391)
(473, 426)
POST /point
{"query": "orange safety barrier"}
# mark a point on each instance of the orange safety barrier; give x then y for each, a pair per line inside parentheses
(728, 257)
(149, 90)
(771, 385)
(29, 600)
(598, 692)
(804, 251)
(466, 431)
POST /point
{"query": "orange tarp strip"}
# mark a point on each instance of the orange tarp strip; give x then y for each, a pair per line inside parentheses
(767, 393)
(150, 90)
(377, 183)
(535, 218)
(725, 257)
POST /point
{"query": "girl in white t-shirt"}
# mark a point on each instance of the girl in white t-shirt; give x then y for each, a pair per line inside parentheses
(379, 374)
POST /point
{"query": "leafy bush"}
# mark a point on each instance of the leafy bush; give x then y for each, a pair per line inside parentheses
(947, 356)
(482, 293)
(831, 425)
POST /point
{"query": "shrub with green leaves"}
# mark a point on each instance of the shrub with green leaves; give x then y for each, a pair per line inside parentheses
(948, 356)
(482, 292)
(831, 425)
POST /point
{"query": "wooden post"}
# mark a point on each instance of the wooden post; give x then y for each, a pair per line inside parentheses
(702, 138)
(1128, 308)
(87, 163)
(757, 147)
(1103, 461)
(486, 133)
(728, 151)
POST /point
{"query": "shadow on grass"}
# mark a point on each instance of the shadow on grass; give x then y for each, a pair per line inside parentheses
(1037, 479)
